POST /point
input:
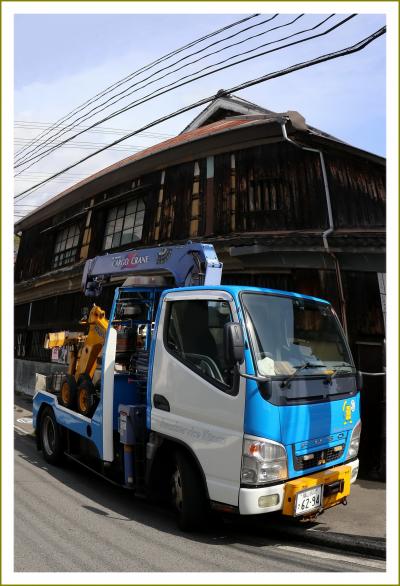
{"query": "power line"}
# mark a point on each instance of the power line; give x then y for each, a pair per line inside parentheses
(327, 57)
(24, 124)
(145, 68)
(86, 115)
(114, 99)
(90, 145)
(42, 174)
(167, 88)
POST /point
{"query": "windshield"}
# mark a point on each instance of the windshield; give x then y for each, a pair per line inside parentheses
(295, 336)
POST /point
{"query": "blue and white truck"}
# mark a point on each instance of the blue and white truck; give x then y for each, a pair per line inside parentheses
(232, 398)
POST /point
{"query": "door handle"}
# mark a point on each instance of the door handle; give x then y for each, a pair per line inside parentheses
(160, 402)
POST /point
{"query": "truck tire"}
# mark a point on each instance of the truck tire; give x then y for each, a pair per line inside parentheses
(86, 396)
(68, 391)
(187, 493)
(50, 437)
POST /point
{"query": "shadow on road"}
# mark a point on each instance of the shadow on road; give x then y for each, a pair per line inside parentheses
(110, 501)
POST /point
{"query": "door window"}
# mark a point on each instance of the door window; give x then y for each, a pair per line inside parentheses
(194, 334)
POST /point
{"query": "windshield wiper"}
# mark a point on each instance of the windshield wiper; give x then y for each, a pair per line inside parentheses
(298, 369)
(340, 370)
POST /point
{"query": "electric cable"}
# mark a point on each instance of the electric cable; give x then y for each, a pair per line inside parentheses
(167, 88)
(25, 124)
(298, 66)
(86, 115)
(144, 68)
(115, 99)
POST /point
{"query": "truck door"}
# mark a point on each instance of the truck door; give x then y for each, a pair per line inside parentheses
(193, 398)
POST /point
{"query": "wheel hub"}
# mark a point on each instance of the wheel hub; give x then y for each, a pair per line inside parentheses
(177, 496)
(65, 393)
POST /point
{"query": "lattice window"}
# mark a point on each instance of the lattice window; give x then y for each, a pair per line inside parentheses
(124, 224)
(20, 340)
(66, 246)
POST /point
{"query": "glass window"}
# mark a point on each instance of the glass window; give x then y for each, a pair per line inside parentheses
(124, 224)
(126, 237)
(131, 206)
(195, 335)
(66, 246)
(129, 221)
(139, 218)
(289, 334)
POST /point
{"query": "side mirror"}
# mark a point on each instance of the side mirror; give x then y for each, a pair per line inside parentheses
(233, 343)
(359, 380)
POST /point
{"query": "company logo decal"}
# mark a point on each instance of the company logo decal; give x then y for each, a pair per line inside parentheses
(163, 255)
(348, 408)
(100, 332)
(132, 259)
(322, 440)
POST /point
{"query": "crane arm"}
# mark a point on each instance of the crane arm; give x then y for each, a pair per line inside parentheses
(190, 264)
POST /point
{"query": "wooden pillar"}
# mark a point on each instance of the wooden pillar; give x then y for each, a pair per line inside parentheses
(232, 223)
(159, 208)
(87, 234)
(195, 206)
(210, 197)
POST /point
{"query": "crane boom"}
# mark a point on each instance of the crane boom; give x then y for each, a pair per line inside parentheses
(189, 264)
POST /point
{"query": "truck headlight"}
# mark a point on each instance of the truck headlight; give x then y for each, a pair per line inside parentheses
(263, 461)
(354, 441)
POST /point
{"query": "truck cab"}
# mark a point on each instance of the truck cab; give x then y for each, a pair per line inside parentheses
(238, 399)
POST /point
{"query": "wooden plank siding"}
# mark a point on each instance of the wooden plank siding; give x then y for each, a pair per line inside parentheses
(279, 187)
(272, 187)
(358, 192)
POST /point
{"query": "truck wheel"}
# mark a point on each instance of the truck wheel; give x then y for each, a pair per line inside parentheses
(187, 493)
(68, 391)
(50, 437)
(87, 397)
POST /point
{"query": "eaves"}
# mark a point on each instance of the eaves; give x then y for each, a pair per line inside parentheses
(247, 134)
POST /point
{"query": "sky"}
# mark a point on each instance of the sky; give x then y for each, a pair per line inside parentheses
(61, 60)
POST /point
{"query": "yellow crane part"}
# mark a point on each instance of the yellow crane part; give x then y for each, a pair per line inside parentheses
(57, 339)
(95, 339)
(83, 348)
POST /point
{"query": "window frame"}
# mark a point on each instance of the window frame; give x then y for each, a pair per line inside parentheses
(232, 390)
(57, 253)
(139, 200)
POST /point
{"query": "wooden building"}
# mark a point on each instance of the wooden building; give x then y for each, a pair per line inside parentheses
(286, 206)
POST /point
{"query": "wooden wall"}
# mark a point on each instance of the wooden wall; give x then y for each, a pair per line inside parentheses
(274, 187)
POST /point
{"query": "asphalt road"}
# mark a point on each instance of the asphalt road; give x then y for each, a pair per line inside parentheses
(68, 520)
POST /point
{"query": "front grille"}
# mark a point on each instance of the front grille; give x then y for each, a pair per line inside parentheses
(319, 458)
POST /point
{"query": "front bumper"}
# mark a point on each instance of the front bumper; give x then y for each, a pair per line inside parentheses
(250, 498)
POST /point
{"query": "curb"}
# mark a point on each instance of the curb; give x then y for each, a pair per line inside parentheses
(24, 395)
(371, 546)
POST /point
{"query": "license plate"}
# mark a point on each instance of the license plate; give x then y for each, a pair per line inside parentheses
(308, 500)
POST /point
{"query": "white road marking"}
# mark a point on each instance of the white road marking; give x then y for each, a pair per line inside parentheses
(380, 565)
(23, 431)
(24, 420)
